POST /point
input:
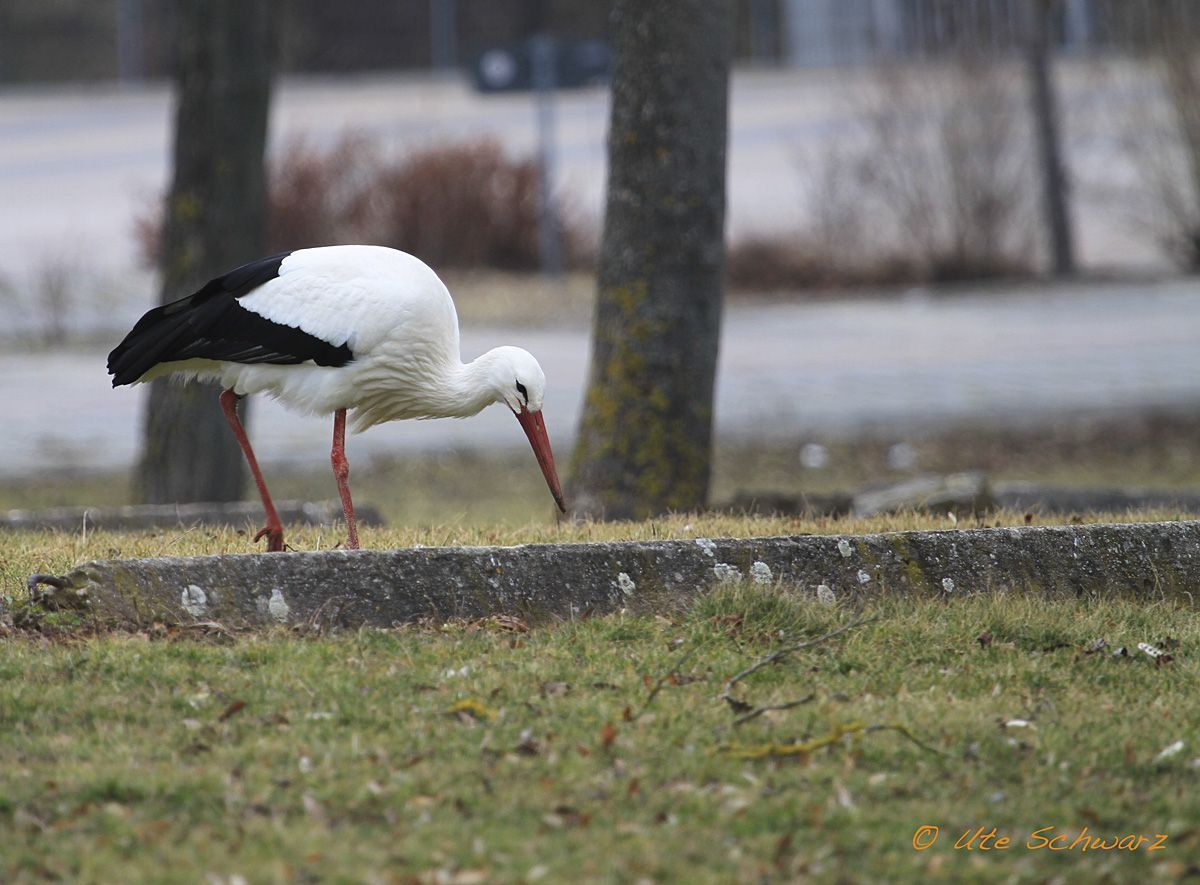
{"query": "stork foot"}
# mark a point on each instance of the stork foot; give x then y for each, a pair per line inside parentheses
(274, 536)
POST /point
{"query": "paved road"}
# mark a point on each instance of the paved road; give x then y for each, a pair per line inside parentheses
(77, 166)
(786, 371)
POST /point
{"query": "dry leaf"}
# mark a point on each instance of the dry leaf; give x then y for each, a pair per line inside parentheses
(313, 808)
(506, 623)
(783, 848)
(566, 816)
(1156, 654)
(232, 710)
(739, 707)
(1169, 751)
(608, 734)
(526, 745)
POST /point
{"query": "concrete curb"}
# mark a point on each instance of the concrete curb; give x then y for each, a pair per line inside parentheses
(1152, 560)
(1060, 499)
(969, 492)
(149, 516)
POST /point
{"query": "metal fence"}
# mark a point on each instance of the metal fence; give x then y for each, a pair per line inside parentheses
(830, 32)
(133, 39)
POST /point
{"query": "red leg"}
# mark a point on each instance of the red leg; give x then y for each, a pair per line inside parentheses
(341, 472)
(273, 531)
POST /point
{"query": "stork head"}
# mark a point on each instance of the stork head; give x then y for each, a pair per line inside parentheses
(520, 384)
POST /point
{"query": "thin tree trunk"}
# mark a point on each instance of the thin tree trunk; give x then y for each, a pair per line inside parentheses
(645, 441)
(214, 221)
(1178, 46)
(1044, 99)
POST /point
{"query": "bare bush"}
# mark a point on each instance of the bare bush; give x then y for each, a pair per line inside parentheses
(318, 197)
(53, 298)
(949, 168)
(458, 205)
(1159, 124)
(933, 183)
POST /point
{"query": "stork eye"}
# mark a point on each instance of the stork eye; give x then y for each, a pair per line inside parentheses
(524, 393)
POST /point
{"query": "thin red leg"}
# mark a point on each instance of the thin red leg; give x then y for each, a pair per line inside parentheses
(341, 472)
(273, 531)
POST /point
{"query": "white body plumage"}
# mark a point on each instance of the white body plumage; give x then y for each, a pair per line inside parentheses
(396, 317)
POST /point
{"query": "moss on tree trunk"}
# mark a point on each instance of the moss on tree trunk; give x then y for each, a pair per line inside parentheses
(646, 436)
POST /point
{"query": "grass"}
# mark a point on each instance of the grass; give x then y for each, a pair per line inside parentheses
(601, 750)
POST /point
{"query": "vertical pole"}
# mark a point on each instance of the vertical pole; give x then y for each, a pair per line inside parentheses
(763, 27)
(129, 41)
(1079, 25)
(443, 34)
(543, 52)
(1045, 120)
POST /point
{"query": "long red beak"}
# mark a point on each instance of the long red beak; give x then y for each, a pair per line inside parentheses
(535, 429)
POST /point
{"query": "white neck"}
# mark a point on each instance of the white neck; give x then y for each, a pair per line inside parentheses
(440, 389)
(467, 388)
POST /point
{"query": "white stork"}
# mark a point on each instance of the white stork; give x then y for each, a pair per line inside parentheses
(364, 329)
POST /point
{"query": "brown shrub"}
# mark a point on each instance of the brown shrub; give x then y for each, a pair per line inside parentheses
(457, 205)
(785, 264)
(315, 195)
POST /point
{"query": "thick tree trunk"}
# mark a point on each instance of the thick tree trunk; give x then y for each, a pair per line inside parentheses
(646, 436)
(214, 221)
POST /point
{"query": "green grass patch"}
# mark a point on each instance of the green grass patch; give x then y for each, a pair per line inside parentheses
(603, 750)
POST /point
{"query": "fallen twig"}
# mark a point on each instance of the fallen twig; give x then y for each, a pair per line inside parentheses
(208, 628)
(58, 583)
(903, 730)
(758, 711)
(662, 680)
(60, 594)
(805, 748)
(778, 654)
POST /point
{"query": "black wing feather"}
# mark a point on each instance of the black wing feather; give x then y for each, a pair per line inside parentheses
(211, 324)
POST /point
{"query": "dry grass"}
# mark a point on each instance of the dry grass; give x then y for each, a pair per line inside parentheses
(505, 300)
(1153, 449)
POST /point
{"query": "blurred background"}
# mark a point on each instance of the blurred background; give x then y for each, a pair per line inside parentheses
(961, 235)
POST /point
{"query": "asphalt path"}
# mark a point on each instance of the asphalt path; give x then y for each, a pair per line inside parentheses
(77, 165)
